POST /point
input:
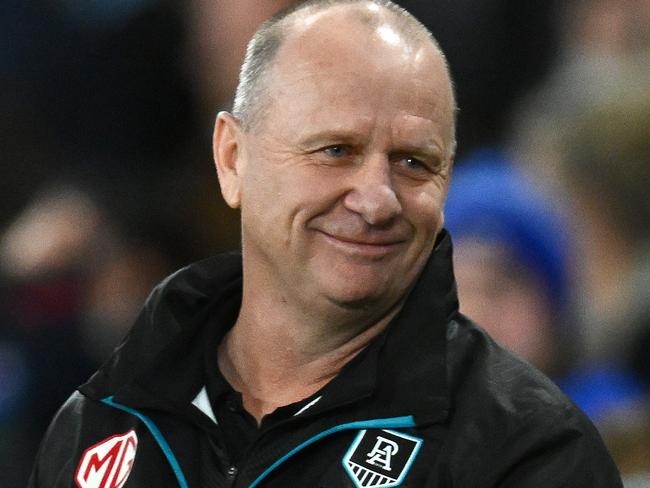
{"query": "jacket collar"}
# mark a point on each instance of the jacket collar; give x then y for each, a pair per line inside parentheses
(413, 366)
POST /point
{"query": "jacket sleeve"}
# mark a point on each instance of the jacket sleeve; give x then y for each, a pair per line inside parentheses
(55, 462)
(564, 450)
(78, 425)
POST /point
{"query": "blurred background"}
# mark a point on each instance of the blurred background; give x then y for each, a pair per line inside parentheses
(107, 185)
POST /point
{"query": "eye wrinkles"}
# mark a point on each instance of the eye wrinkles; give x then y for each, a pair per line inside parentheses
(418, 165)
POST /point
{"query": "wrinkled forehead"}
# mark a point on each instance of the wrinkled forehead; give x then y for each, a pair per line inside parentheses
(335, 55)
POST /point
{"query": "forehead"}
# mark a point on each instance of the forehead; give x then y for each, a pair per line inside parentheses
(333, 63)
(350, 34)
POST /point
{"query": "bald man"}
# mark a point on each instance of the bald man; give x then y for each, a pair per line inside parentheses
(330, 352)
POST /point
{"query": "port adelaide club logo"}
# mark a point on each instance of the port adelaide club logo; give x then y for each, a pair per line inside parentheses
(108, 463)
(380, 458)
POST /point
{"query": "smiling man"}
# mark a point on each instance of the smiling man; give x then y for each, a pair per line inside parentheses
(330, 353)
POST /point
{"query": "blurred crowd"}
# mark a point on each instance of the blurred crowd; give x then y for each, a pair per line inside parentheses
(107, 185)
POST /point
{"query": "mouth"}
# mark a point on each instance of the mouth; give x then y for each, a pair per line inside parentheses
(371, 247)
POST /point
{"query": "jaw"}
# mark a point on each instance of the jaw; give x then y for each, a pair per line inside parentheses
(354, 278)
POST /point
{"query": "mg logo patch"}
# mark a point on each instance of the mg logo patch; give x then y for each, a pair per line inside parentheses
(380, 458)
(108, 463)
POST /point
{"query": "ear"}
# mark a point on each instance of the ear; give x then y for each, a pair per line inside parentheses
(228, 157)
(447, 185)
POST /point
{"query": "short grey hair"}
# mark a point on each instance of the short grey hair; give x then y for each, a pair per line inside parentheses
(251, 98)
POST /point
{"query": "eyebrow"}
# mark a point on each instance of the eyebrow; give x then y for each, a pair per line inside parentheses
(339, 136)
(428, 149)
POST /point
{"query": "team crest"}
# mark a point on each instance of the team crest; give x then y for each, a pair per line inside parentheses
(108, 463)
(380, 458)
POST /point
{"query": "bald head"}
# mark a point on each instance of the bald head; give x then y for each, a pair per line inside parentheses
(383, 20)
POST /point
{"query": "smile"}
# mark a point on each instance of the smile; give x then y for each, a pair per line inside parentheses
(371, 248)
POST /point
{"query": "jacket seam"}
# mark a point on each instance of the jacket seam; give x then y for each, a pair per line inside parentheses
(157, 435)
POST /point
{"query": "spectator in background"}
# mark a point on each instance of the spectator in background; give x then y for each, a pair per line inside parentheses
(595, 101)
(603, 44)
(607, 164)
(512, 258)
(516, 255)
(72, 281)
(514, 266)
(42, 255)
(586, 132)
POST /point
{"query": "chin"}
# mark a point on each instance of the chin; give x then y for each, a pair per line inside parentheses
(356, 295)
(355, 303)
(354, 286)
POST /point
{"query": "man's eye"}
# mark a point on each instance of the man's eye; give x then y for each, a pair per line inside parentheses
(413, 165)
(336, 151)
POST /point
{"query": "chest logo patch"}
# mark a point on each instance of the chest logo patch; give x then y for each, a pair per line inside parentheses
(108, 463)
(380, 458)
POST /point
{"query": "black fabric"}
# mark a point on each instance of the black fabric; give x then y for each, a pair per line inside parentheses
(483, 418)
(239, 429)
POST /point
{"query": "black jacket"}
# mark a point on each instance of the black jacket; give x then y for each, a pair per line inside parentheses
(433, 402)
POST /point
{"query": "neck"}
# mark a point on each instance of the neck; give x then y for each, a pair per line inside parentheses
(276, 355)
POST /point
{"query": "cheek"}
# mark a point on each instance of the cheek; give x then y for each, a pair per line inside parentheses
(262, 203)
(281, 199)
(424, 210)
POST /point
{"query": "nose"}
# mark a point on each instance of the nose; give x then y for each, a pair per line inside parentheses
(373, 195)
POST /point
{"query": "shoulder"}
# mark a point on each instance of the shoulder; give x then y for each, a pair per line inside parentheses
(499, 390)
(188, 290)
(478, 367)
(185, 290)
(79, 424)
(177, 305)
(509, 419)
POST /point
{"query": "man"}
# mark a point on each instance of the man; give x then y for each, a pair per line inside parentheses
(331, 353)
